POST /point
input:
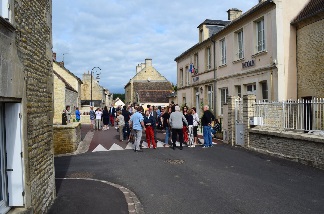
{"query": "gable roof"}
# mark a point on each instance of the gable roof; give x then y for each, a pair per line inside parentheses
(67, 85)
(62, 66)
(214, 22)
(312, 8)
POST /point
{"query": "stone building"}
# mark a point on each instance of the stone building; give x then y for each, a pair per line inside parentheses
(26, 106)
(253, 54)
(67, 90)
(310, 50)
(148, 86)
(100, 96)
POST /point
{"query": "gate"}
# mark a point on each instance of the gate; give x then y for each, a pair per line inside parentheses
(239, 125)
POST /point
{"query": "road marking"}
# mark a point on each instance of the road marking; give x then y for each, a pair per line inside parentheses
(115, 147)
(99, 148)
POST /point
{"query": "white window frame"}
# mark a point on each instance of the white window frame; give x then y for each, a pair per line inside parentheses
(223, 97)
(5, 10)
(210, 96)
(208, 56)
(264, 91)
(240, 44)
(196, 64)
(253, 88)
(223, 51)
(181, 77)
(260, 35)
(187, 76)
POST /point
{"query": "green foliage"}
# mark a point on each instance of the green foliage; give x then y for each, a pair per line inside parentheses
(121, 96)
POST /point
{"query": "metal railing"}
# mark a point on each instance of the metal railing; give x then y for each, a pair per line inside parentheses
(302, 114)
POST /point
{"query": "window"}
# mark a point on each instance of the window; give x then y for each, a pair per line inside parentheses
(184, 102)
(251, 88)
(238, 90)
(5, 11)
(224, 95)
(223, 51)
(260, 35)
(208, 58)
(181, 78)
(210, 96)
(264, 87)
(196, 63)
(240, 46)
(188, 76)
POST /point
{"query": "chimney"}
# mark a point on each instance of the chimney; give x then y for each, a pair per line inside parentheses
(148, 62)
(142, 65)
(234, 13)
(54, 56)
(138, 68)
(260, 1)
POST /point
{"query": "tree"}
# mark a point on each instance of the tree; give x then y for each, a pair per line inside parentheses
(121, 97)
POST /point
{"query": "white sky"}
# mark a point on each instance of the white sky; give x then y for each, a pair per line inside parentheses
(116, 35)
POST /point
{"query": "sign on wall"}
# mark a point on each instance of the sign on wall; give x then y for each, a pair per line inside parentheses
(247, 64)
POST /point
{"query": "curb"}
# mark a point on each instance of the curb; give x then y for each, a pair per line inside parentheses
(134, 205)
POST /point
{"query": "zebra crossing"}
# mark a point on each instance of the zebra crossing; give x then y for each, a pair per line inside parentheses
(117, 147)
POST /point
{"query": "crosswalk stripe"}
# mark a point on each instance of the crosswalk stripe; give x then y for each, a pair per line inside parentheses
(99, 148)
(115, 147)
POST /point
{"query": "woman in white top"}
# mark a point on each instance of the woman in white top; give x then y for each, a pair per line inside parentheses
(195, 125)
(98, 118)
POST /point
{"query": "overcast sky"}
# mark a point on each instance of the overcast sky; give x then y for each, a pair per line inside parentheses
(116, 35)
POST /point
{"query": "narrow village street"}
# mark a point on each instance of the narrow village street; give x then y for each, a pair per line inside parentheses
(221, 179)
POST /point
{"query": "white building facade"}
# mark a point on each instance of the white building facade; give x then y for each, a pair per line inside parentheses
(253, 54)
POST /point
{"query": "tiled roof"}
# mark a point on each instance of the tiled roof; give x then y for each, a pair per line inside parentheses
(214, 22)
(312, 8)
(67, 85)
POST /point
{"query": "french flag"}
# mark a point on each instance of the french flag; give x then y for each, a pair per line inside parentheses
(191, 68)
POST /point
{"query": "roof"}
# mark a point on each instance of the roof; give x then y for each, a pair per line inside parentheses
(214, 22)
(247, 13)
(312, 8)
(67, 85)
(59, 64)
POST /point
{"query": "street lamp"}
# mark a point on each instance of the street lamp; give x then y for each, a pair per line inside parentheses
(98, 72)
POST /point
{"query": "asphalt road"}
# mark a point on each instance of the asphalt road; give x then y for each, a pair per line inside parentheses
(221, 179)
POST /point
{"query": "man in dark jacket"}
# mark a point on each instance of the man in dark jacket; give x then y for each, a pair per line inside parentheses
(126, 115)
(206, 120)
(112, 114)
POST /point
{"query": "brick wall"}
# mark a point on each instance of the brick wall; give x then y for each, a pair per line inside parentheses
(310, 58)
(33, 22)
(303, 148)
(66, 138)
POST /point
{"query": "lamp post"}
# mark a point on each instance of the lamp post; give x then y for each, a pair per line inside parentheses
(98, 73)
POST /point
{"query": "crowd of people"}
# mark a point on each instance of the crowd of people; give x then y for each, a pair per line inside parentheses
(179, 124)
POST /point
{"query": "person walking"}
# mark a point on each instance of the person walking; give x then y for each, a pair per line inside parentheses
(105, 118)
(206, 123)
(154, 115)
(137, 123)
(92, 118)
(126, 130)
(149, 130)
(189, 118)
(166, 126)
(98, 118)
(176, 123)
(121, 123)
(185, 129)
(112, 115)
(196, 122)
(77, 114)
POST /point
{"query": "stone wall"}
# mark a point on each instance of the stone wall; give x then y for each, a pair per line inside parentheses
(66, 138)
(97, 90)
(71, 99)
(59, 97)
(304, 148)
(310, 58)
(33, 22)
(153, 92)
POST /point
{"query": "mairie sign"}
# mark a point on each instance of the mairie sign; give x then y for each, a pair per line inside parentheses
(248, 64)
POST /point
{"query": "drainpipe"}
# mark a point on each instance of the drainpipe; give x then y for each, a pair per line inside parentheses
(215, 75)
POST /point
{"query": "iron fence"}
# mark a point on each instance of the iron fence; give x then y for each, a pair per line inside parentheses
(302, 114)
